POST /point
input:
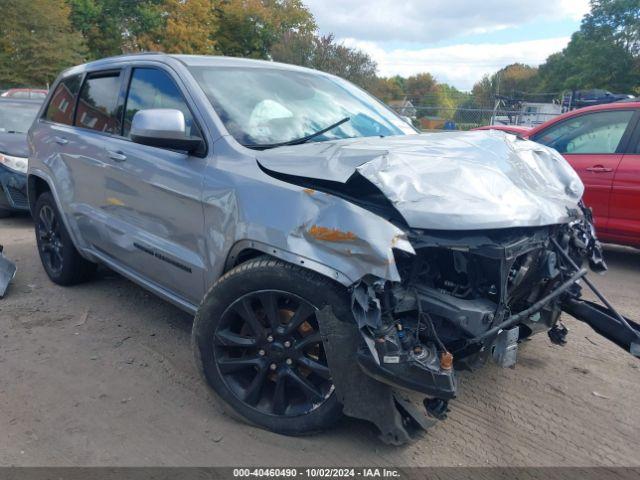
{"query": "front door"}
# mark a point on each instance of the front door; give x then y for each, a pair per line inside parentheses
(153, 196)
(590, 143)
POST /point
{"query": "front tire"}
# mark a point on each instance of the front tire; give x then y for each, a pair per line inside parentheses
(257, 343)
(59, 256)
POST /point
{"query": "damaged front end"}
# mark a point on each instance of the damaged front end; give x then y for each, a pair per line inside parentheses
(466, 297)
(487, 248)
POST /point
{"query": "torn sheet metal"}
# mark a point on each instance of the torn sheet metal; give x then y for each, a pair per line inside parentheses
(449, 181)
(7, 272)
(300, 225)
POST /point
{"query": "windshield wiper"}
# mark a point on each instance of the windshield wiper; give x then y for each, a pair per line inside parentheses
(298, 141)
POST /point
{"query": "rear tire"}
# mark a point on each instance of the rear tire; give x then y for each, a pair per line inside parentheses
(257, 344)
(59, 256)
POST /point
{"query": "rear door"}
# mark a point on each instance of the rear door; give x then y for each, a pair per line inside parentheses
(624, 216)
(154, 195)
(591, 144)
(72, 155)
(97, 119)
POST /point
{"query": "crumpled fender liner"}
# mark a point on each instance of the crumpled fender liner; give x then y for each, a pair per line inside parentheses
(363, 397)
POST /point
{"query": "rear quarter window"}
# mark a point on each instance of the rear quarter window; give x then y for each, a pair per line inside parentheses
(62, 103)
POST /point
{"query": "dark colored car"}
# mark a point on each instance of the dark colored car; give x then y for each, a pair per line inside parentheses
(596, 96)
(16, 116)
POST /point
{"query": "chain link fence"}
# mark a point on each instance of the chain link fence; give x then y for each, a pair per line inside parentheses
(439, 118)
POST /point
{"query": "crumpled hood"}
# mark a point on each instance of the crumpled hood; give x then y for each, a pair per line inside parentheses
(449, 181)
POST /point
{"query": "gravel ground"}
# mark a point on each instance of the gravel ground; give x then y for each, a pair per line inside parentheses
(102, 374)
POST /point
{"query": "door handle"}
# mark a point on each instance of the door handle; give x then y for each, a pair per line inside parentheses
(117, 156)
(61, 140)
(599, 169)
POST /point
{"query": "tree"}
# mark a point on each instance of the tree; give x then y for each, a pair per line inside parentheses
(422, 90)
(112, 27)
(448, 98)
(604, 53)
(619, 19)
(250, 28)
(37, 42)
(419, 87)
(323, 53)
(515, 79)
(483, 92)
(188, 26)
(387, 89)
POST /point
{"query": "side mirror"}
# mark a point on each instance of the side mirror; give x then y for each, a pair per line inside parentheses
(163, 128)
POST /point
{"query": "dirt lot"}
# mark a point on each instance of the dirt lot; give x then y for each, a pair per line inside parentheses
(102, 374)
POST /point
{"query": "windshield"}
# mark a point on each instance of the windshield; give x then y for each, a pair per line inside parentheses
(17, 117)
(263, 106)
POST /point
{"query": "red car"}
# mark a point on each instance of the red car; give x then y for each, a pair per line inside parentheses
(602, 143)
(33, 93)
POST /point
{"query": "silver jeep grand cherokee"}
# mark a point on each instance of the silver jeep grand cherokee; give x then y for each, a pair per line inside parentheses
(334, 258)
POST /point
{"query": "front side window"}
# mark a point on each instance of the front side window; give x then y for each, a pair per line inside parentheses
(98, 102)
(17, 117)
(60, 108)
(598, 132)
(153, 88)
(264, 106)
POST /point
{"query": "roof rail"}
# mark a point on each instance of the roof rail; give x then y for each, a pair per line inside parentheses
(130, 54)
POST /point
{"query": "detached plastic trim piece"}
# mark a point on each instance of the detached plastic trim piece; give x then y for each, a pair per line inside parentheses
(7, 272)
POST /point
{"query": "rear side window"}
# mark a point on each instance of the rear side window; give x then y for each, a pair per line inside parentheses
(98, 103)
(63, 100)
(153, 88)
(598, 132)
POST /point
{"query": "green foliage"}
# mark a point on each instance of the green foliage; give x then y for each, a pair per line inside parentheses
(618, 19)
(513, 81)
(388, 89)
(36, 42)
(188, 27)
(250, 28)
(41, 37)
(589, 63)
(112, 27)
(449, 100)
(323, 53)
(483, 93)
(604, 53)
(247, 28)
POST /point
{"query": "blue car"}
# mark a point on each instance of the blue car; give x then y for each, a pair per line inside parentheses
(16, 116)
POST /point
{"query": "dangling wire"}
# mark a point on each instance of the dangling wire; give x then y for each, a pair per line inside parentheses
(429, 322)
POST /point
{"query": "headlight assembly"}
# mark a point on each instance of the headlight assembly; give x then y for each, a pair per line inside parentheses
(17, 164)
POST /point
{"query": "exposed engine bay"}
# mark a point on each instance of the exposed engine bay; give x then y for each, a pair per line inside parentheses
(490, 243)
(467, 297)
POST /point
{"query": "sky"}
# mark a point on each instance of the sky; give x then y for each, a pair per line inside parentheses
(457, 41)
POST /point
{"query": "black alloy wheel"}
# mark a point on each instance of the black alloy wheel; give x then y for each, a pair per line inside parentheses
(269, 353)
(60, 259)
(49, 239)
